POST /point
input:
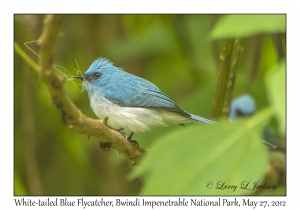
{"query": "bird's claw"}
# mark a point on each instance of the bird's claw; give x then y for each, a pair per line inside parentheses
(124, 134)
(120, 129)
(134, 142)
(128, 137)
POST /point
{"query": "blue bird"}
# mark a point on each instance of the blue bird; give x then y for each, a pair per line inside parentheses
(242, 106)
(132, 104)
(245, 106)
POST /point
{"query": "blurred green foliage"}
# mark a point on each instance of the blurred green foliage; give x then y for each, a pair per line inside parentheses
(223, 152)
(248, 25)
(178, 53)
(276, 86)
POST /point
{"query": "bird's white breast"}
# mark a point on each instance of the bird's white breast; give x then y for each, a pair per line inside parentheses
(133, 119)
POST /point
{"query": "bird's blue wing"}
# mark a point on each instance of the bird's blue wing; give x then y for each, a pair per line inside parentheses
(137, 92)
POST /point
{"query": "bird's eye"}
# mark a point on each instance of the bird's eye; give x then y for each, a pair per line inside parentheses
(96, 75)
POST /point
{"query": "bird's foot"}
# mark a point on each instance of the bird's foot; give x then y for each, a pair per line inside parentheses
(120, 129)
(123, 133)
(128, 137)
(133, 141)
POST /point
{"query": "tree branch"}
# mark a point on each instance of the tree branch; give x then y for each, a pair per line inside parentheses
(236, 54)
(229, 59)
(70, 113)
(223, 79)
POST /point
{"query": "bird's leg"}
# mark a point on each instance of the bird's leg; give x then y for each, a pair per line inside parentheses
(133, 141)
(128, 137)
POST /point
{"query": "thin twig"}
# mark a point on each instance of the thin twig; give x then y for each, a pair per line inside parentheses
(25, 57)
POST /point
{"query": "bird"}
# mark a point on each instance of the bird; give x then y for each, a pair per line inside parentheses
(245, 106)
(131, 103)
(242, 106)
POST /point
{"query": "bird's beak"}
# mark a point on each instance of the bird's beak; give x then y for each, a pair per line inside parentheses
(79, 77)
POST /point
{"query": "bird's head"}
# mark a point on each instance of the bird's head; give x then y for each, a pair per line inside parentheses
(242, 106)
(99, 74)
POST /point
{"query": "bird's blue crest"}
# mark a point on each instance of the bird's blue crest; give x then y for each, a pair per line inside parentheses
(103, 64)
(105, 69)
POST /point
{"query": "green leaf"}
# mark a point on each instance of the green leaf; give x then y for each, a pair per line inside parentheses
(185, 161)
(239, 26)
(276, 87)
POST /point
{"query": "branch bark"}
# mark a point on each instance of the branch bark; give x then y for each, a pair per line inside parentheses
(236, 54)
(229, 59)
(73, 117)
(223, 79)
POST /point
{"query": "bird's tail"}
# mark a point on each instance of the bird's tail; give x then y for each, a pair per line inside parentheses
(268, 144)
(201, 119)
